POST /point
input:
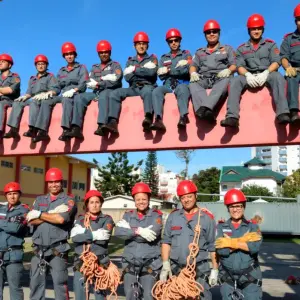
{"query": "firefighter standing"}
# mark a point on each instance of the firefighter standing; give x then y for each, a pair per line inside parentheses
(72, 81)
(12, 232)
(141, 230)
(104, 78)
(290, 59)
(178, 234)
(212, 68)
(258, 62)
(98, 238)
(52, 217)
(9, 87)
(174, 72)
(40, 87)
(140, 73)
(238, 243)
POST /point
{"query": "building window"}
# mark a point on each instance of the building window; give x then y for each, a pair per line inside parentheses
(75, 185)
(125, 205)
(224, 187)
(25, 168)
(77, 198)
(65, 184)
(82, 186)
(7, 164)
(38, 170)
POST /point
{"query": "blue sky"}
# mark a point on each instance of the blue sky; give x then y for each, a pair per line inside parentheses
(34, 27)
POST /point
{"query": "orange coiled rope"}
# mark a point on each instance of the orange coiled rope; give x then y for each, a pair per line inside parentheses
(103, 279)
(183, 286)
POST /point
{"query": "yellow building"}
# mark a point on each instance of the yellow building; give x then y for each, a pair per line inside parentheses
(30, 171)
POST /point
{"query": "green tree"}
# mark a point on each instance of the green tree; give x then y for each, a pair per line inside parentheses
(255, 190)
(117, 176)
(291, 186)
(186, 157)
(207, 182)
(150, 175)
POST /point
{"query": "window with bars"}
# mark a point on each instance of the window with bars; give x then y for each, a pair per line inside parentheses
(38, 170)
(7, 164)
(25, 168)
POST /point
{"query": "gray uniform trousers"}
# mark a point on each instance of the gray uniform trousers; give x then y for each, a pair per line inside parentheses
(17, 111)
(118, 95)
(59, 273)
(147, 282)
(86, 98)
(293, 91)
(13, 272)
(199, 93)
(3, 106)
(182, 94)
(79, 288)
(275, 82)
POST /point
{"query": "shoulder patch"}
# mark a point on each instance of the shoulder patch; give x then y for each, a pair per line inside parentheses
(33, 76)
(116, 62)
(175, 209)
(15, 74)
(70, 195)
(158, 211)
(286, 35)
(153, 55)
(129, 211)
(241, 45)
(269, 41)
(25, 205)
(186, 51)
(207, 212)
(200, 49)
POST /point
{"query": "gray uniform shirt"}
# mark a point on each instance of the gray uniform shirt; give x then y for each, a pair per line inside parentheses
(14, 82)
(47, 82)
(290, 48)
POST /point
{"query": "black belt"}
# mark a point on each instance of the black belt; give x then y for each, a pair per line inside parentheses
(9, 249)
(133, 270)
(54, 245)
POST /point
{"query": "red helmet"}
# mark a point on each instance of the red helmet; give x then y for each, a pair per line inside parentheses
(54, 174)
(103, 46)
(92, 193)
(186, 187)
(173, 32)
(12, 187)
(141, 37)
(297, 11)
(256, 20)
(234, 196)
(140, 187)
(67, 48)
(7, 58)
(41, 58)
(210, 25)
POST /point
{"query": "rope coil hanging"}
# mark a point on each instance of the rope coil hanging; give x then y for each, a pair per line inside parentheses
(103, 279)
(183, 286)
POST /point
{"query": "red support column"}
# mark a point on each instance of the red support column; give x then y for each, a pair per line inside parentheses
(88, 179)
(47, 166)
(70, 178)
(18, 169)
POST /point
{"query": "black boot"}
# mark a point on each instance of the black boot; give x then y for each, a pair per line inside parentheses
(230, 122)
(295, 119)
(64, 136)
(200, 113)
(158, 125)
(209, 116)
(112, 126)
(99, 130)
(13, 133)
(283, 119)
(31, 132)
(41, 136)
(147, 122)
(182, 122)
(75, 133)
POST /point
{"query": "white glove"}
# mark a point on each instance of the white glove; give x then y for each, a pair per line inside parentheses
(21, 99)
(213, 277)
(182, 63)
(162, 71)
(33, 214)
(77, 229)
(92, 84)
(147, 233)
(3, 203)
(194, 77)
(111, 77)
(59, 209)
(165, 272)
(224, 73)
(251, 80)
(129, 70)
(38, 97)
(100, 235)
(261, 78)
(149, 65)
(69, 94)
(124, 224)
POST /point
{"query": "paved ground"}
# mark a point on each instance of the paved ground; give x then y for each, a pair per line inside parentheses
(278, 260)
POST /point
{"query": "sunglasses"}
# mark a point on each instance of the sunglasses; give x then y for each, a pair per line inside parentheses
(213, 31)
(173, 41)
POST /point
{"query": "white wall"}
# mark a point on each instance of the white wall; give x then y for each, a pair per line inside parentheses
(125, 203)
(269, 183)
(226, 186)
